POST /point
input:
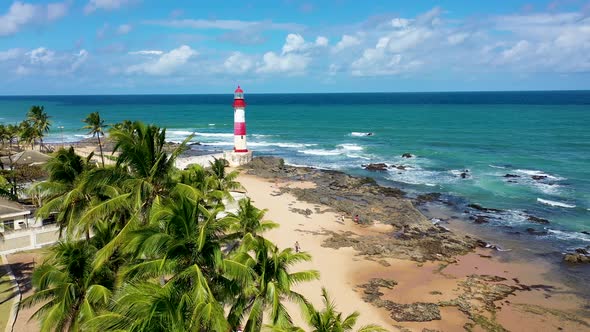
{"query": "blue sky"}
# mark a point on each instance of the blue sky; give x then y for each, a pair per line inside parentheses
(282, 46)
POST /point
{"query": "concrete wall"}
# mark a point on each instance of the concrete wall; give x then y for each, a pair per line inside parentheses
(27, 239)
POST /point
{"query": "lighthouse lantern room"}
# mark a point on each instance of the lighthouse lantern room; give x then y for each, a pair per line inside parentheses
(240, 154)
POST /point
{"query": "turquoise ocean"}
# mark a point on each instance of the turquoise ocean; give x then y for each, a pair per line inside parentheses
(489, 134)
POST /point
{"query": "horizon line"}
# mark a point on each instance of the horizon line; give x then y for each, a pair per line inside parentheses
(292, 93)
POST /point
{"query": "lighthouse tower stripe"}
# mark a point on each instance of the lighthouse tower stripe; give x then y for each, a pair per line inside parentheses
(239, 128)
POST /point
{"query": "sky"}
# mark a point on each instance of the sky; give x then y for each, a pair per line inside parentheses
(292, 46)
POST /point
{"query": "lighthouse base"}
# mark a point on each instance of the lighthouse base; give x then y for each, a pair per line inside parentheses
(237, 158)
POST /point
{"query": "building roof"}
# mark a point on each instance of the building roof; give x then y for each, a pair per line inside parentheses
(27, 157)
(10, 209)
(239, 90)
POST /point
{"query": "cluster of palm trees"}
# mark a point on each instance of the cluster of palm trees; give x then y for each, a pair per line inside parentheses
(29, 132)
(147, 247)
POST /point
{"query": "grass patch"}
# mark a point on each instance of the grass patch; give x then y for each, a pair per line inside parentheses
(6, 296)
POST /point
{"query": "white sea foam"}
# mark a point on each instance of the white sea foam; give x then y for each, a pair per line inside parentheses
(356, 156)
(179, 132)
(214, 134)
(554, 203)
(496, 166)
(564, 235)
(321, 152)
(212, 124)
(281, 144)
(538, 173)
(360, 134)
(351, 147)
(217, 143)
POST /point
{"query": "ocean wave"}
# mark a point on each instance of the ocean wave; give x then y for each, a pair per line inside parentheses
(569, 236)
(281, 144)
(360, 134)
(217, 143)
(321, 152)
(356, 156)
(214, 134)
(497, 166)
(351, 147)
(179, 132)
(212, 124)
(554, 203)
(531, 172)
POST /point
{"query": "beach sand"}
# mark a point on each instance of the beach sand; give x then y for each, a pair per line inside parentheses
(545, 306)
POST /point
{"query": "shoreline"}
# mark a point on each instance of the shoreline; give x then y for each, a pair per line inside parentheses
(513, 290)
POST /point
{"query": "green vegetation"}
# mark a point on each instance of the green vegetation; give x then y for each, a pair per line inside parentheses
(95, 126)
(159, 250)
(6, 300)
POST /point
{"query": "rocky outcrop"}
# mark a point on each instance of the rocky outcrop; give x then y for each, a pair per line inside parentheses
(580, 255)
(533, 231)
(426, 198)
(538, 177)
(511, 176)
(412, 237)
(407, 155)
(375, 167)
(537, 220)
(483, 209)
(413, 312)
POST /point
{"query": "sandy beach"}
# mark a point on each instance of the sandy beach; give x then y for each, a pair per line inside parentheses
(524, 300)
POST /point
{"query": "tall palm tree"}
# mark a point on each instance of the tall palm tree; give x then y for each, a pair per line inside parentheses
(27, 133)
(329, 320)
(95, 126)
(274, 281)
(39, 121)
(68, 289)
(12, 134)
(225, 181)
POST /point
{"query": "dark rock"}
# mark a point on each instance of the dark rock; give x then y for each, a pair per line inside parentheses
(425, 198)
(375, 167)
(576, 258)
(413, 312)
(585, 232)
(483, 209)
(533, 231)
(407, 155)
(582, 251)
(537, 220)
(511, 176)
(487, 277)
(538, 177)
(400, 167)
(480, 220)
(464, 175)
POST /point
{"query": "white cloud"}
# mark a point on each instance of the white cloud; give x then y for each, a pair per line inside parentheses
(94, 5)
(124, 29)
(166, 63)
(288, 63)
(238, 63)
(41, 56)
(321, 41)
(147, 52)
(21, 14)
(79, 59)
(457, 38)
(346, 42)
(294, 43)
(11, 54)
(399, 22)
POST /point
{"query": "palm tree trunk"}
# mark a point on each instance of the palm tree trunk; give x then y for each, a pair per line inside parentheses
(100, 147)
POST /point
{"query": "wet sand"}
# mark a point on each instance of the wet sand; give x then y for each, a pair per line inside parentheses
(537, 303)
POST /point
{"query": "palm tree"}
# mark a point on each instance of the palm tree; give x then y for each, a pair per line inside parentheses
(95, 126)
(68, 289)
(39, 121)
(27, 133)
(225, 181)
(12, 134)
(329, 320)
(274, 282)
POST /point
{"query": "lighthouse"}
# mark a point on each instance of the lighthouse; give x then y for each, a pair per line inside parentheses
(240, 154)
(239, 121)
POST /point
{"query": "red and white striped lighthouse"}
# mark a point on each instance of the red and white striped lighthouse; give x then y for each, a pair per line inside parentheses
(239, 121)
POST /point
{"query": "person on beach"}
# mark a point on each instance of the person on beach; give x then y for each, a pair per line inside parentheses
(297, 247)
(356, 219)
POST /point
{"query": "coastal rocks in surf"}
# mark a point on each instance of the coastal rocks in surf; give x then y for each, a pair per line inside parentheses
(427, 198)
(483, 209)
(375, 167)
(533, 231)
(538, 177)
(412, 236)
(511, 176)
(537, 220)
(580, 255)
(407, 155)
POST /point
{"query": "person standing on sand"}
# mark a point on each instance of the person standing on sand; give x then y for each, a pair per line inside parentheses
(356, 219)
(297, 247)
